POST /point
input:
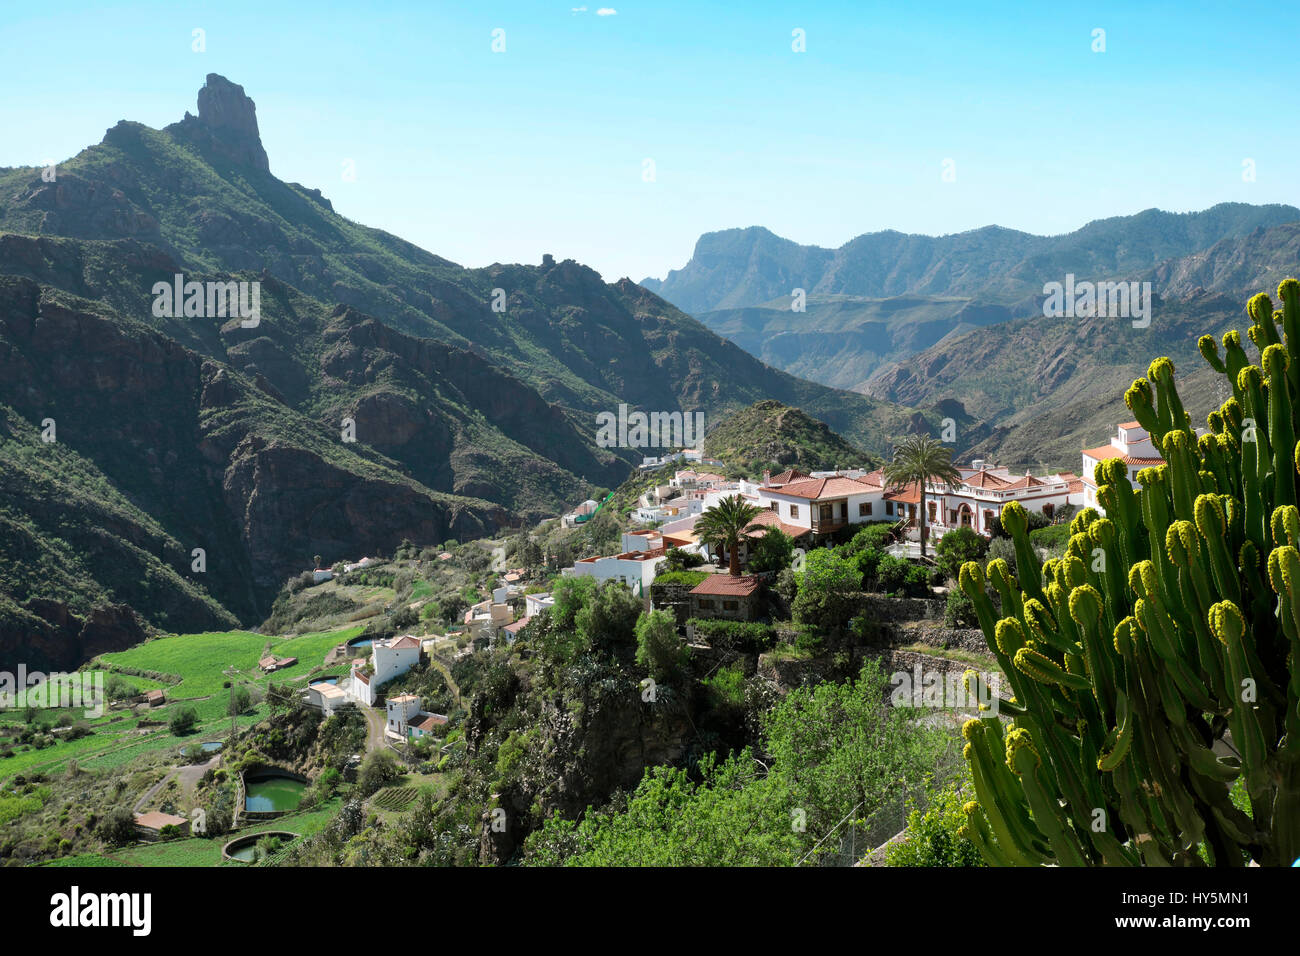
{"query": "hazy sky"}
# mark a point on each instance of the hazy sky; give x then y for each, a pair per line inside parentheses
(482, 157)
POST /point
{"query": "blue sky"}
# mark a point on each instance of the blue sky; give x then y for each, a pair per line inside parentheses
(484, 157)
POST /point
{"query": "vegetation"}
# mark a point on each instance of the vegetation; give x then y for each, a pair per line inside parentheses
(726, 525)
(1156, 638)
(921, 459)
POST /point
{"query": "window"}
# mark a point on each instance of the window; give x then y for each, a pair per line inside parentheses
(776, 506)
(952, 515)
(864, 509)
(706, 603)
(794, 511)
(729, 605)
(889, 507)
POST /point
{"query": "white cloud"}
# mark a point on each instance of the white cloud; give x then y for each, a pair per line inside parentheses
(578, 9)
(606, 12)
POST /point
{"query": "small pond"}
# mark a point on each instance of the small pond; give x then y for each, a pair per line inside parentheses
(272, 793)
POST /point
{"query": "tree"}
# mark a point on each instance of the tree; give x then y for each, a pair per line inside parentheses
(379, 768)
(183, 721)
(726, 525)
(240, 701)
(659, 648)
(921, 459)
(772, 552)
(117, 826)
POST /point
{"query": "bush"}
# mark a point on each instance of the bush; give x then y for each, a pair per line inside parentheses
(1005, 549)
(678, 560)
(871, 537)
(751, 636)
(1053, 538)
(892, 574)
(956, 548)
(772, 552)
(183, 722)
(117, 826)
(932, 837)
(659, 648)
(825, 572)
(960, 610)
(378, 769)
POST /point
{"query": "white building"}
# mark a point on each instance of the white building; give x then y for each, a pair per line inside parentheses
(822, 505)
(388, 659)
(327, 698)
(401, 709)
(535, 604)
(1133, 444)
(636, 569)
(321, 574)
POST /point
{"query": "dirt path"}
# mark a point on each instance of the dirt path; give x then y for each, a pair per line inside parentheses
(375, 721)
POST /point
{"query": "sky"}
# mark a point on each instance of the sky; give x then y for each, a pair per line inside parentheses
(923, 117)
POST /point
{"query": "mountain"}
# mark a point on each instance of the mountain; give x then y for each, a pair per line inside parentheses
(1051, 387)
(771, 435)
(236, 437)
(735, 268)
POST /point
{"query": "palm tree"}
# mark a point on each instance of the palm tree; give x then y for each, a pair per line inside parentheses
(921, 459)
(726, 525)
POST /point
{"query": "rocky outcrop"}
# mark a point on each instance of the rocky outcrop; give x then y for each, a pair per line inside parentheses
(45, 635)
(230, 119)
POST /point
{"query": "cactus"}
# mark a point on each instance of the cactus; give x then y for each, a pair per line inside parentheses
(1157, 663)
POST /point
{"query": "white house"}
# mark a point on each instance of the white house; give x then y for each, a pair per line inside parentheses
(535, 604)
(327, 698)
(977, 499)
(822, 505)
(425, 723)
(400, 711)
(321, 574)
(636, 569)
(1133, 444)
(388, 659)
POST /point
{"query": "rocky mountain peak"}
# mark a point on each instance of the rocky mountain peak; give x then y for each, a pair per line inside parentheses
(230, 117)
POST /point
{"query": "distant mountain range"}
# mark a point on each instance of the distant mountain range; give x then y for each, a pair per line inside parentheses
(177, 433)
(957, 322)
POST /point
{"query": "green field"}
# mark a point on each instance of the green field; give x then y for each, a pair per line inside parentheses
(200, 851)
(205, 663)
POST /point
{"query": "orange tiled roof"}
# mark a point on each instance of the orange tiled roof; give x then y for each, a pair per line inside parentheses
(987, 480)
(767, 518)
(787, 476)
(814, 489)
(910, 495)
(727, 585)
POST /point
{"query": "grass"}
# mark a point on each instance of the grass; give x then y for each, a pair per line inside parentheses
(205, 663)
(953, 654)
(202, 851)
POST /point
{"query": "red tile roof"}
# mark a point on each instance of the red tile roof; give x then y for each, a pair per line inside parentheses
(727, 585)
(814, 489)
(518, 626)
(986, 479)
(767, 518)
(910, 495)
(787, 476)
(433, 720)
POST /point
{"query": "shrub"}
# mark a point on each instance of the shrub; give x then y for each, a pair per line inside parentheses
(933, 838)
(735, 635)
(892, 574)
(183, 721)
(956, 548)
(959, 611)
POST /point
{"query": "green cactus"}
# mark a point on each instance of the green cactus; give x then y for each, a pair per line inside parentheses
(1157, 663)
